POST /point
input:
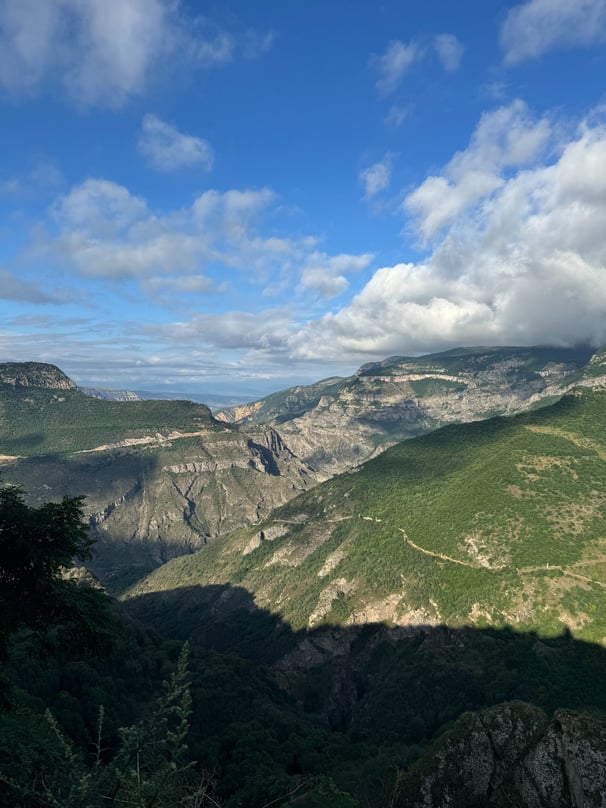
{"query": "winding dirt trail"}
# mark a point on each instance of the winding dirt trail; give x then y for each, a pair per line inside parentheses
(440, 555)
(522, 571)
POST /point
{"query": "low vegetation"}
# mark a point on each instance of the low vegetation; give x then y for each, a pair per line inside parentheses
(500, 522)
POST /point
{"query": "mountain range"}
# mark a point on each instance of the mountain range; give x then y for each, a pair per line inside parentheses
(413, 557)
(340, 422)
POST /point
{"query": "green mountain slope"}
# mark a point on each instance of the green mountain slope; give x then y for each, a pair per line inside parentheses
(501, 522)
(338, 423)
(37, 416)
(160, 477)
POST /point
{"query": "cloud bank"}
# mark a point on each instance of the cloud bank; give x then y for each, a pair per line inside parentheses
(521, 258)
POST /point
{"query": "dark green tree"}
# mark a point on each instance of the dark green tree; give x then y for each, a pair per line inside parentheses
(36, 546)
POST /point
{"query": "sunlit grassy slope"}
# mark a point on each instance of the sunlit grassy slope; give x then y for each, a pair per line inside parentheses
(35, 421)
(492, 523)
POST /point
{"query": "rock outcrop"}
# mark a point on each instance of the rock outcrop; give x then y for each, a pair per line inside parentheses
(339, 423)
(512, 754)
(35, 374)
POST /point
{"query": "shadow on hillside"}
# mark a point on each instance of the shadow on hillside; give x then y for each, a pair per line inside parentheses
(22, 442)
(106, 480)
(395, 683)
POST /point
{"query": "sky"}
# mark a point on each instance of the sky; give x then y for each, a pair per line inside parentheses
(234, 197)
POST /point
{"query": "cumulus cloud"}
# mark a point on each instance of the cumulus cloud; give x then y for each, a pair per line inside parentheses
(103, 231)
(103, 52)
(100, 51)
(394, 63)
(449, 50)
(525, 266)
(376, 177)
(325, 275)
(506, 138)
(538, 26)
(167, 149)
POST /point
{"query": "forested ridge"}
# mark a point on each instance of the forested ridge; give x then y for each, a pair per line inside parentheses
(395, 636)
(99, 711)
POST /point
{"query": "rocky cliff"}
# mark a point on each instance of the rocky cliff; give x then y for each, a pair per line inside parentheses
(338, 423)
(160, 478)
(34, 374)
(512, 754)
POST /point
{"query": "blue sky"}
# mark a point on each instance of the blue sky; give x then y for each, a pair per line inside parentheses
(236, 197)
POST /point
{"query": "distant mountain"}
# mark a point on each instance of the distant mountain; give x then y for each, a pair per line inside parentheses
(110, 395)
(213, 401)
(34, 374)
(161, 477)
(494, 523)
(340, 422)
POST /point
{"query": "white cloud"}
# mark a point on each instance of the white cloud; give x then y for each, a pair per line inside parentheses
(190, 284)
(103, 52)
(376, 177)
(393, 65)
(323, 282)
(525, 266)
(324, 275)
(506, 138)
(538, 26)
(105, 232)
(267, 331)
(449, 50)
(98, 208)
(167, 149)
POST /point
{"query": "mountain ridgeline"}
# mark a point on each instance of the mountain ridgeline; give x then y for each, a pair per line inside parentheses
(495, 523)
(160, 478)
(425, 629)
(340, 422)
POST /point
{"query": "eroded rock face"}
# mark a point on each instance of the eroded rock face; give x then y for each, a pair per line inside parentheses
(148, 502)
(512, 754)
(339, 423)
(34, 374)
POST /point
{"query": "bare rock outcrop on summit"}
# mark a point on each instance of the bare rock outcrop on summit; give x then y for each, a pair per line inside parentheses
(35, 374)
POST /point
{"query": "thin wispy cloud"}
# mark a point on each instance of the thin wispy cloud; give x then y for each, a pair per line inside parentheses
(14, 288)
(394, 63)
(376, 178)
(450, 51)
(167, 149)
(396, 116)
(533, 28)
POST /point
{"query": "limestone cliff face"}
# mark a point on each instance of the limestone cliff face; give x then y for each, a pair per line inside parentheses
(512, 754)
(339, 423)
(150, 503)
(34, 374)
